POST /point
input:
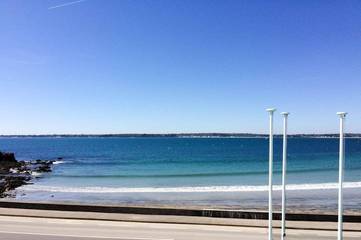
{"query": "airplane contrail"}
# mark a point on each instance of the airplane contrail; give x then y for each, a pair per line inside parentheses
(65, 4)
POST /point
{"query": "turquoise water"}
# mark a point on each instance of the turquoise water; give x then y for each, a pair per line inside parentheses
(139, 165)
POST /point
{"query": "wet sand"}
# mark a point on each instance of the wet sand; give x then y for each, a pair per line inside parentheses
(310, 201)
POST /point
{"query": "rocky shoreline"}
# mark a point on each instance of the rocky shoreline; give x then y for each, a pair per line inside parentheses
(14, 174)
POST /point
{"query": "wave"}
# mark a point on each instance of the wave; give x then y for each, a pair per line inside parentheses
(203, 189)
(200, 174)
(58, 162)
(159, 175)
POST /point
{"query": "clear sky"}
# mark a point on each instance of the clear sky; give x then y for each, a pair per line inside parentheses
(163, 66)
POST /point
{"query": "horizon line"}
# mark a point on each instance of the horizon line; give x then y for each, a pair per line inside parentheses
(175, 134)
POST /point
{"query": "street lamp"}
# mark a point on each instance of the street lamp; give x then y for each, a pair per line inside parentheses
(342, 116)
(270, 210)
(284, 168)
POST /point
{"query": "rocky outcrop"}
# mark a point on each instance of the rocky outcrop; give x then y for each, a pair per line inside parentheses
(15, 173)
(7, 161)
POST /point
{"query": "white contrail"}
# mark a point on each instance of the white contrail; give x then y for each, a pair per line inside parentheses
(65, 4)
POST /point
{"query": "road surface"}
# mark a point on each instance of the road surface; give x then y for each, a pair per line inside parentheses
(30, 228)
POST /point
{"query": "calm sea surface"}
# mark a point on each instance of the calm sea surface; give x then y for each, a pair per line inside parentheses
(209, 171)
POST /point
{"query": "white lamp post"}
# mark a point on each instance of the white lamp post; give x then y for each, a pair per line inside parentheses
(342, 116)
(270, 211)
(284, 168)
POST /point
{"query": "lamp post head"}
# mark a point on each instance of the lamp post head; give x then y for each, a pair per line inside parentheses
(285, 113)
(270, 110)
(342, 114)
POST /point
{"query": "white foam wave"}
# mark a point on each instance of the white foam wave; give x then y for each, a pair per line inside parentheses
(13, 170)
(205, 189)
(58, 162)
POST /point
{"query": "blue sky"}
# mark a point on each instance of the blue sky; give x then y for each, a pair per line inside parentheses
(163, 66)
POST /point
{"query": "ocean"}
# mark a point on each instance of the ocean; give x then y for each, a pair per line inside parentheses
(198, 172)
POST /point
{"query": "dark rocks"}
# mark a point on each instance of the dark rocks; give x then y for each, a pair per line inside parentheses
(7, 161)
(15, 173)
(9, 183)
(7, 157)
(42, 166)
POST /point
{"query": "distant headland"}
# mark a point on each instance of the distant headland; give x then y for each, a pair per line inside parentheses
(187, 135)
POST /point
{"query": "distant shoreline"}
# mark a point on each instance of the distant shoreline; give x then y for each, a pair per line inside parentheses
(183, 135)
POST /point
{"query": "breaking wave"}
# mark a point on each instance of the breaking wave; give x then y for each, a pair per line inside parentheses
(57, 162)
(205, 189)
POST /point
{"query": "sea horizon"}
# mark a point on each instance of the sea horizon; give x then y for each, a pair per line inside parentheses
(186, 134)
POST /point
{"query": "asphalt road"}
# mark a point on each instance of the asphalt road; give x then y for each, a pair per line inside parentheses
(29, 228)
